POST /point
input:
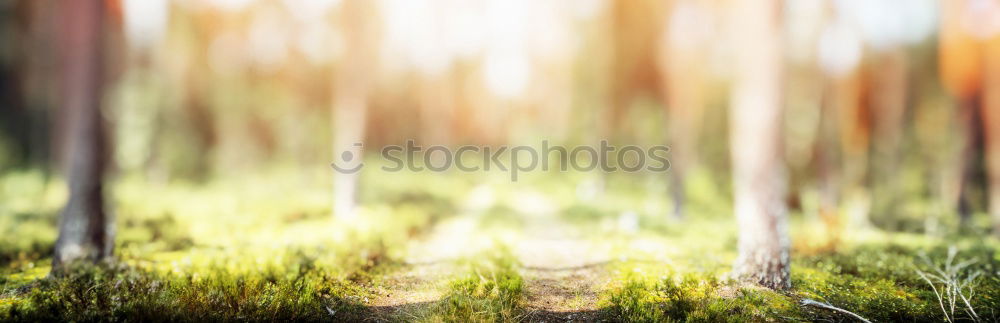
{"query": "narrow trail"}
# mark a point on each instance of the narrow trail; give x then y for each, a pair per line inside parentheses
(429, 265)
(562, 269)
(410, 290)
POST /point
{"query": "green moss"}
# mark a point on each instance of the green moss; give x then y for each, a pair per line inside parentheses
(694, 298)
(877, 281)
(219, 252)
(231, 251)
(492, 291)
(880, 281)
(294, 288)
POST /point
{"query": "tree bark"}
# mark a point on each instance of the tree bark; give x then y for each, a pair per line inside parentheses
(759, 179)
(85, 228)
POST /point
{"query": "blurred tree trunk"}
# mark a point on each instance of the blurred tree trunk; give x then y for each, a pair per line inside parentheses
(85, 228)
(971, 156)
(354, 78)
(755, 121)
(961, 71)
(16, 123)
(436, 97)
(991, 124)
(889, 84)
(828, 156)
(842, 154)
(683, 64)
(632, 72)
(855, 128)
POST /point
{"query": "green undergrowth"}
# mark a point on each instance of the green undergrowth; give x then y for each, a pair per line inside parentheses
(295, 289)
(277, 284)
(692, 298)
(267, 249)
(491, 291)
(255, 249)
(879, 282)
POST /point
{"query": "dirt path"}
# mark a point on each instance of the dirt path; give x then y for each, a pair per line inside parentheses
(410, 290)
(563, 271)
(429, 264)
(569, 295)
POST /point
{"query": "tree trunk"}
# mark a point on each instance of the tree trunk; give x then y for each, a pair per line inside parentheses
(991, 125)
(85, 228)
(350, 105)
(758, 172)
(855, 132)
(889, 95)
(961, 68)
(683, 63)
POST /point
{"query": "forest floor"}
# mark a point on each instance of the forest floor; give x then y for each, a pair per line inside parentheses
(465, 249)
(563, 271)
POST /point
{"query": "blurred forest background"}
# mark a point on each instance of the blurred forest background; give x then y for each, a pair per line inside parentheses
(886, 105)
(224, 115)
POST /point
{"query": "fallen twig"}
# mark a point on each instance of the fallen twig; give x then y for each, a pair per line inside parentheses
(809, 302)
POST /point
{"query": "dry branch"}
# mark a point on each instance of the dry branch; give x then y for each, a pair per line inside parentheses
(809, 302)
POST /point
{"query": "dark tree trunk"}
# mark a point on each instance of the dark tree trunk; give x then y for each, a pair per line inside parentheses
(990, 111)
(971, 158)
(961, 72)
(758, 166)
(85, 228)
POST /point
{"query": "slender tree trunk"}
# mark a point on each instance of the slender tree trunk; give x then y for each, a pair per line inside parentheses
(683, 65)
(855, 130)
(85, 228)
(437, 109)
(828, 167)
(970, 156)
(961, 68)
(759, 180)
(350, 105)
(889, 96)
(991, 125)
(349, 117)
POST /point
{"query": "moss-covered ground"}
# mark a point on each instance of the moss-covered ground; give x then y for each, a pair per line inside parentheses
(459, 248)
